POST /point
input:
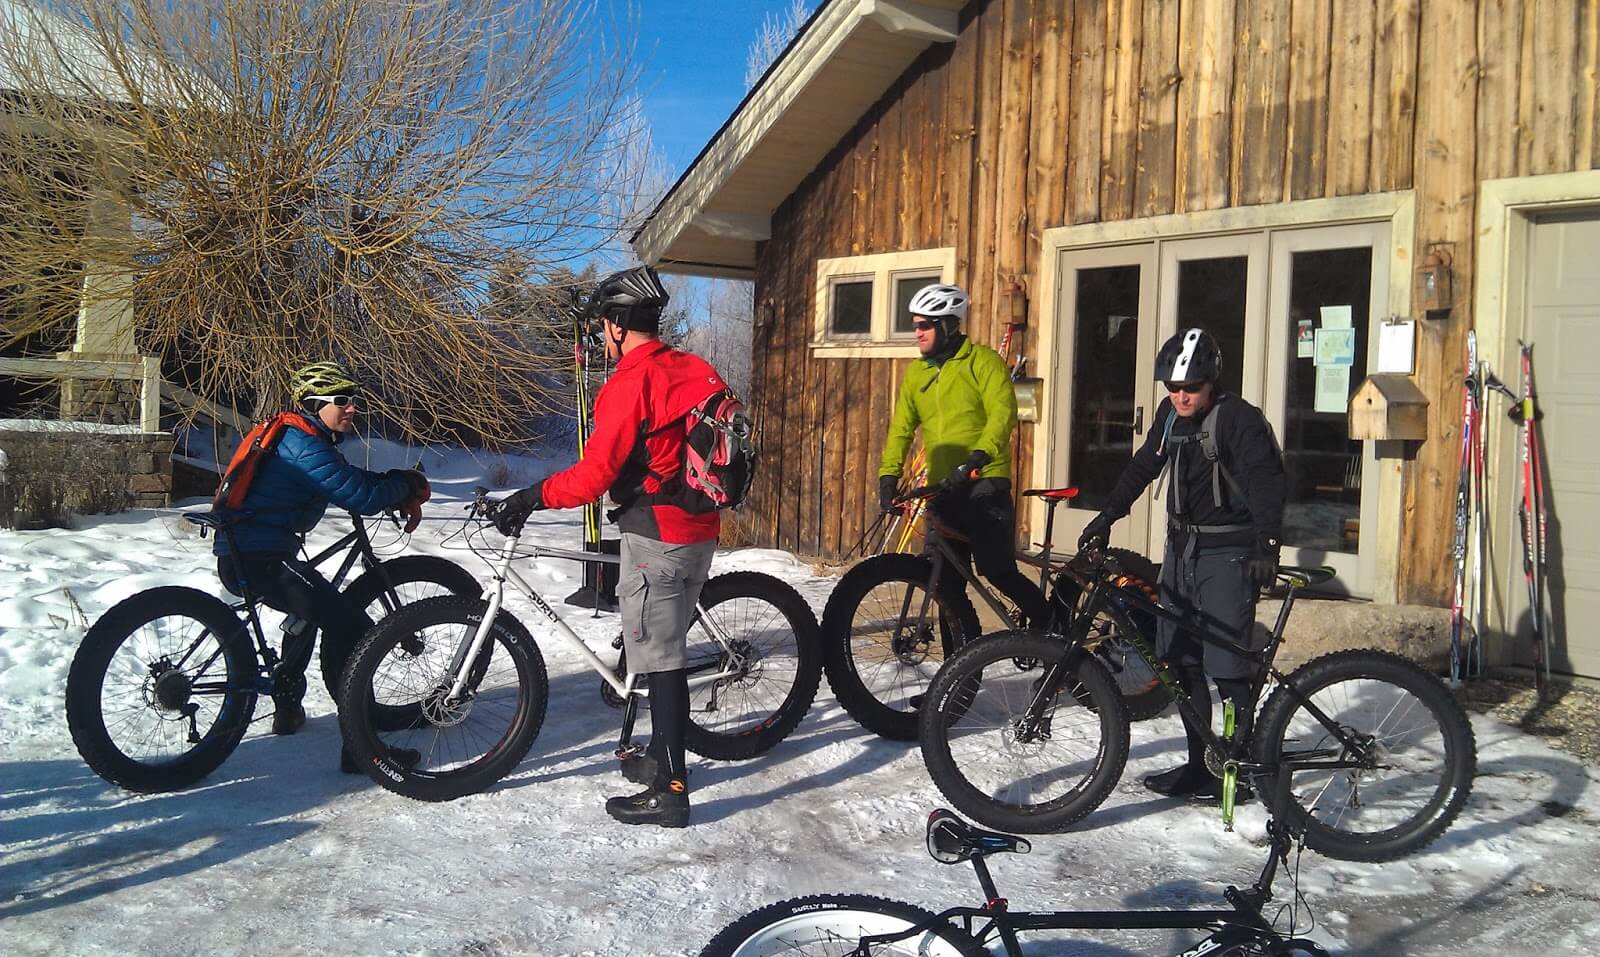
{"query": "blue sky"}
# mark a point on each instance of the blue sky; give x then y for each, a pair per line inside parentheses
(693, 57)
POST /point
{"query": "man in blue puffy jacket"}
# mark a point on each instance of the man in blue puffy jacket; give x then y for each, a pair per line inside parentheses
(291, 488)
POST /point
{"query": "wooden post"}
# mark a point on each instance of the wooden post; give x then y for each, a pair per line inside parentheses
(150, 394)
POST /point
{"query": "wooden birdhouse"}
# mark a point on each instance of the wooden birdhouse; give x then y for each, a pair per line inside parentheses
(1389, 406)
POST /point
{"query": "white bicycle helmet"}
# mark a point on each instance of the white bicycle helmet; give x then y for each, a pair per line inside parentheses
(939, 300)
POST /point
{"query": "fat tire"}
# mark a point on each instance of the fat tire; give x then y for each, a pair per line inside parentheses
(1144, 696)
(368, 588)
(743, 937)
(86, 680)
(356, 717)
(752, 739)
(1455, 730)
(950, 699)
(839, 615)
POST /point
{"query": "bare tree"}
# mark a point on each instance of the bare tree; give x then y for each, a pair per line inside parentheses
(777, 29)
(276, 181)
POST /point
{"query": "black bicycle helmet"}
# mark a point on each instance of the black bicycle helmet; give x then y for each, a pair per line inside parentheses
(1190, 356)
(630, 299)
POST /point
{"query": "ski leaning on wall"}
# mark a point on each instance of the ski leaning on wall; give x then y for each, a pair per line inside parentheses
(1532, 518)
(1466, 652)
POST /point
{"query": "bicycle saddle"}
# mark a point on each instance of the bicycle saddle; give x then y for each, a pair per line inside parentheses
(1312, 576)
(1057, 493)
(952, 840)
(215, 521)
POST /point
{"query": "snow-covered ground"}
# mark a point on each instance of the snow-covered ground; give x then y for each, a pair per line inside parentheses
(279, 853)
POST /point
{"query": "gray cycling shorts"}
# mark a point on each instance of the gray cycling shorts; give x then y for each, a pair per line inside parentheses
(657, 590)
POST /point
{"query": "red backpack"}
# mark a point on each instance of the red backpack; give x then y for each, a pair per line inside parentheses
(718, 462)
(257, 445)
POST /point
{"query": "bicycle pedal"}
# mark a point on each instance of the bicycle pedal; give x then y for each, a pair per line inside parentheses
(630, 753)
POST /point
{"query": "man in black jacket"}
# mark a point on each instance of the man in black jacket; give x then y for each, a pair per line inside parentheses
(1224, 513)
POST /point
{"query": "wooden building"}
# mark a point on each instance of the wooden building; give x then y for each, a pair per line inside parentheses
(1100, 172)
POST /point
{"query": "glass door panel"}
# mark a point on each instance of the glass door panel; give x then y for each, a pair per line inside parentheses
(1323, 467)
(1106, 344)
(1105, 356)
(1328, 289)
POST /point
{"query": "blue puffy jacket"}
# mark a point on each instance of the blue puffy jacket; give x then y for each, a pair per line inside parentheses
(293, 487)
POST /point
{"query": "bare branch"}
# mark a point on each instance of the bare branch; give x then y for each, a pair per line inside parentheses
(271, 182)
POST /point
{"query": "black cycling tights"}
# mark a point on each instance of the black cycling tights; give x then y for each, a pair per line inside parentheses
(1193, 679)
(669, 720)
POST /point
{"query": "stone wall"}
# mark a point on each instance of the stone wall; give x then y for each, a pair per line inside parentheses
(149, 457)
(59, 468)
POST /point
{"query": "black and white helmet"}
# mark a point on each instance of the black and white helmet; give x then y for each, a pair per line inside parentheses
(631, 299)
(1190, 356)
(940, 300)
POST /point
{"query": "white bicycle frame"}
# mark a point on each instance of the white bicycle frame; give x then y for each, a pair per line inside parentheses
(625, 687)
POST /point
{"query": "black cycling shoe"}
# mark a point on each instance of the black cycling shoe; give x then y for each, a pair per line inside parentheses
(1180, 781)
(405, 758)
(289, 717)
(665, 807)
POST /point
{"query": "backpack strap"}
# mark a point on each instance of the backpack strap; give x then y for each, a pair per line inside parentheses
(1219, 471)
(1206, 438)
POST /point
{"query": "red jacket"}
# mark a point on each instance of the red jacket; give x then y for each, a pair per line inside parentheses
(653, 388)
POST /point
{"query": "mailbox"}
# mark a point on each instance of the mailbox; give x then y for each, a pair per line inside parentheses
(1389, 406)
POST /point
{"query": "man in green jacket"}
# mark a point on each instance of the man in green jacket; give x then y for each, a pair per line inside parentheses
(960, 394)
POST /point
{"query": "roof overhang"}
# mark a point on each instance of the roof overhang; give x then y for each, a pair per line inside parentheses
(841, 62)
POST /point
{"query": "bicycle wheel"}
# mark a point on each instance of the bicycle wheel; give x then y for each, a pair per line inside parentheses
(879, 666)
(455, 746)
(1142, 692)
(1012, 766)
(776, 657)
(1413, 767)
(832, 925)
(414, 577)
(162, 689)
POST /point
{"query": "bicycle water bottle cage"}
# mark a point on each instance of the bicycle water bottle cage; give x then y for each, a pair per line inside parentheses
(952, 840)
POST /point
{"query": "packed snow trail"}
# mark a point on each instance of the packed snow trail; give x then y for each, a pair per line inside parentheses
(277, 852)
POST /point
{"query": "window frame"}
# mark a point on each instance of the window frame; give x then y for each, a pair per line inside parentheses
(883, 270)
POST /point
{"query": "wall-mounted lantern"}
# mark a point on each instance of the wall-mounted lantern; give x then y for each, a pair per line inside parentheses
(1436, 281)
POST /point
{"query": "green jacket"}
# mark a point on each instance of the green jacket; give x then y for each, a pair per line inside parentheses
(964, 404)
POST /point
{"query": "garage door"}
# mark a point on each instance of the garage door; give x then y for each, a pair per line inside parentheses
(1564, 322)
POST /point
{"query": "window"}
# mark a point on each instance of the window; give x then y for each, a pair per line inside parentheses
(863, 302)
(851, 311)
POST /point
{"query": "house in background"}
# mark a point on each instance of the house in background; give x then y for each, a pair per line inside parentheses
(1098, 173)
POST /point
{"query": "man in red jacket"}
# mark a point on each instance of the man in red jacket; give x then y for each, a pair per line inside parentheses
(640, 425)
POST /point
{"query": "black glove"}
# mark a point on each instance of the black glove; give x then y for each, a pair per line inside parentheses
(421, 490)
(965, 473)
(510, 513)
(1096, 534)
(1263, 569)
(888, 488)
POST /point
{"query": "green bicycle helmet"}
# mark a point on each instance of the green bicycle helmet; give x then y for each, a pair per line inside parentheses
(322, 378)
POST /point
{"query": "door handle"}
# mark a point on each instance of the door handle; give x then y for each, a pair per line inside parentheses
(1138, 420)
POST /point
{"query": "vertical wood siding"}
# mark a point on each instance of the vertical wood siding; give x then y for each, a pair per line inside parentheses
(1052, 112)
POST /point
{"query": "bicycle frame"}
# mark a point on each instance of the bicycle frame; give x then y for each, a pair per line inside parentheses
(627, 687)
(1242, 923)
(1105, 594)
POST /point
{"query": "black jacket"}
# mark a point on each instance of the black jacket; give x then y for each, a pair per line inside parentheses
(1246, 448)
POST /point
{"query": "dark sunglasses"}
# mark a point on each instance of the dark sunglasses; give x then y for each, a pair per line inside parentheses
(339, 401)
(1192, 388)
(922, 325)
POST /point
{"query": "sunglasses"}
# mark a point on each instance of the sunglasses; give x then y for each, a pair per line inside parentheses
(339, 401)
(922, 325)
(1192, 388)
